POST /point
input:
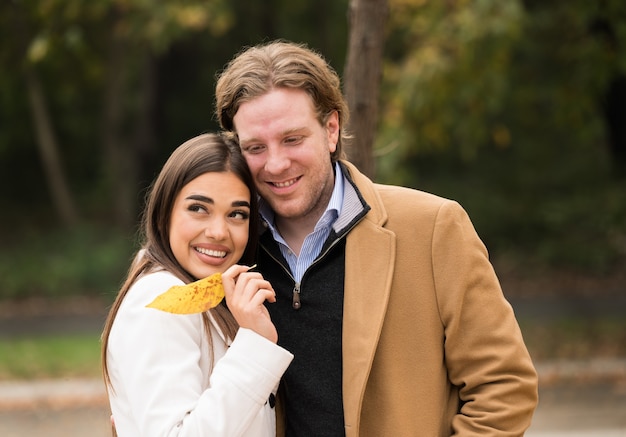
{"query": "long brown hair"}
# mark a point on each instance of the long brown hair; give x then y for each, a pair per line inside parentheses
(280, 64)
(202, 154)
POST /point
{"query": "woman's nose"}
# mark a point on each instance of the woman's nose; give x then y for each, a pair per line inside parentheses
(216, 229)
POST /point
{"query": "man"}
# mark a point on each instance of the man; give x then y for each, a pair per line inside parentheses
(385, 295)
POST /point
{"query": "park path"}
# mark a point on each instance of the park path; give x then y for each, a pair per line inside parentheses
(577, 398)
(589, 404)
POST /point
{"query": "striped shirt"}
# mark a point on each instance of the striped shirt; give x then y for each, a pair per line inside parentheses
(313, 243)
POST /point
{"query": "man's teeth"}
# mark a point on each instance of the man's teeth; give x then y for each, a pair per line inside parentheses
(215, 253)
(285, 184)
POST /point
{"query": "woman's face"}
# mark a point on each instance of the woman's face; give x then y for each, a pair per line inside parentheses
(209, 223)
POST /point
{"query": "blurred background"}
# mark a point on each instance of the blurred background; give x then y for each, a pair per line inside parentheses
(514, 108)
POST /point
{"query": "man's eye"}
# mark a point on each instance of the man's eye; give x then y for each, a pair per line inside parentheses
(293, 140)
(255, 148)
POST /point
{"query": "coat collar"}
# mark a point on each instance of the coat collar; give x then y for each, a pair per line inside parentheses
(370, 255)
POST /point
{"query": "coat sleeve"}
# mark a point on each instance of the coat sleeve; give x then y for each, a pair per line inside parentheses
(484, 350)
(160, 370)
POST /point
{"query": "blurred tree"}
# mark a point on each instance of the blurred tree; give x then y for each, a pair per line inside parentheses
(127, 80)
(515, 107)
(511, 107)
(465, 75)
(445, 77)
(608, 24)
(28, 52)
(362, 77)
(575, 55)
(105, 51)
(139, 33)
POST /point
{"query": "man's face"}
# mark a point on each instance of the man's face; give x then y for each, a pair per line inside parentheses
(288, 152)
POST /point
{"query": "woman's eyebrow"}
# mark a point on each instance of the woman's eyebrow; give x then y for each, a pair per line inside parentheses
(241, 203)
(200, 198)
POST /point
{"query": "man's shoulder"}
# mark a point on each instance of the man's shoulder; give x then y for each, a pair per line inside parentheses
(395, 198)
(408, 197)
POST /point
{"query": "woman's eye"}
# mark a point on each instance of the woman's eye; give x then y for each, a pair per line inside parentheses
(241, 215)
(196, 208)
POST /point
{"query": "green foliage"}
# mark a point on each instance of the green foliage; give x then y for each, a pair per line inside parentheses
(159, 24)
(68, 25)
(447, 73)
(495, 103)
(68, 43)
(500, 107)
(46, 357)
(89, 260)
(466, 75)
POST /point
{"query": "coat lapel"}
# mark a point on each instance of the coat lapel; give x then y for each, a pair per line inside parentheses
(370, 255)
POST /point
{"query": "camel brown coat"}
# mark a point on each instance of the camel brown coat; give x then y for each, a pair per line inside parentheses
(430, 345)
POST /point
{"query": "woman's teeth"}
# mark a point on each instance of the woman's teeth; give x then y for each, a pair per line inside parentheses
(214, 253)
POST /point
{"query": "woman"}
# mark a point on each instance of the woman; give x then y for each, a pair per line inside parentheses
(207, 374)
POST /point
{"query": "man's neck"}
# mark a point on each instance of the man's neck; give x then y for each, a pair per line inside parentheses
(294, 231)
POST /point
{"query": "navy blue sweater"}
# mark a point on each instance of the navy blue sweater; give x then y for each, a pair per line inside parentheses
(311, 387)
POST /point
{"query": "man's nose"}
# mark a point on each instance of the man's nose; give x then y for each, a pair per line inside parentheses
(277, 161)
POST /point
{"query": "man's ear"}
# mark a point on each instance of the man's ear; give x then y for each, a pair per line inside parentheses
(332, 130)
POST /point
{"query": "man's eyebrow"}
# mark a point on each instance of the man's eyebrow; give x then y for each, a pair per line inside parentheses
(292, 131)
(295, 130)
(246, 142)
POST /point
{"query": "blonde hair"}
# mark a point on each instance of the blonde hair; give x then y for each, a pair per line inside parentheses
(257, 70)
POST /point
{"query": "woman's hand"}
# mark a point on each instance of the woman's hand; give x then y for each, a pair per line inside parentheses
(245, 294)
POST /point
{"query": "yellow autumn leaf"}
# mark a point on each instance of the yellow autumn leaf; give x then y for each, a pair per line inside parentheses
(195, 297)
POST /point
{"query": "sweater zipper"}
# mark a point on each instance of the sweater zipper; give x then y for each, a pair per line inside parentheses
(295, 302)
(296, 297)
(296, 289)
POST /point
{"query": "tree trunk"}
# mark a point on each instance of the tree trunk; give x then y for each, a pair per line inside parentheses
(146, 128)
(118, 161)
(362, 77)
(45, 136)
(49, 151)
(615, 116)
(128, 125)
(613, 101)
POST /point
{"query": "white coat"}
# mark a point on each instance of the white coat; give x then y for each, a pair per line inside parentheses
(163, 382)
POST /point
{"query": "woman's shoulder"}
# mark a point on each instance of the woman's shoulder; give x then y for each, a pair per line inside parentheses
(163, 278)
(149, 285)
(135, 316)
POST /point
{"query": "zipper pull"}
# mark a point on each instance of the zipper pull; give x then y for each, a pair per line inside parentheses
(296, 297)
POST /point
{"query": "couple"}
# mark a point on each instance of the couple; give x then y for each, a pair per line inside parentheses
(376, 311)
